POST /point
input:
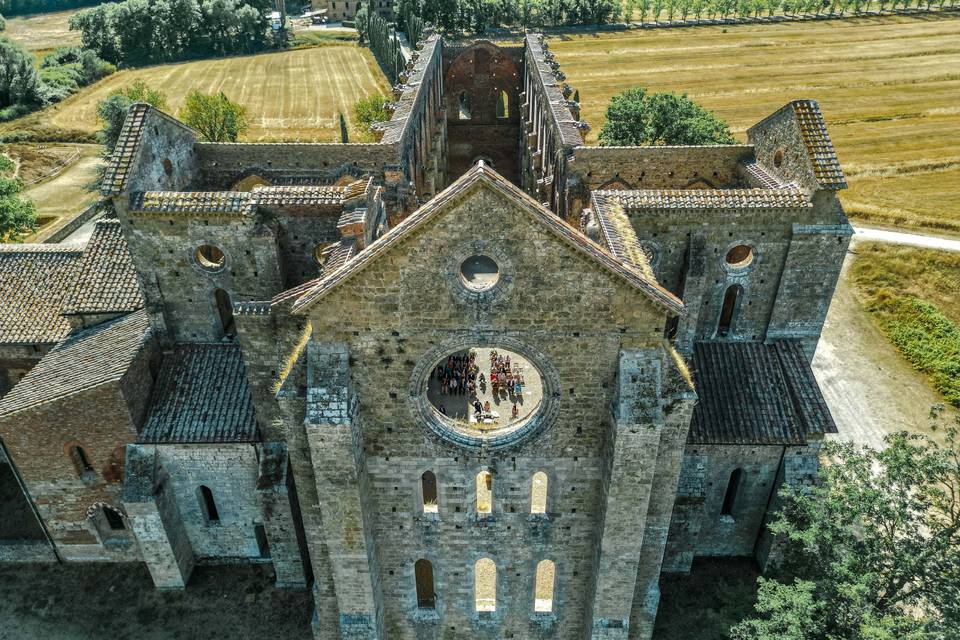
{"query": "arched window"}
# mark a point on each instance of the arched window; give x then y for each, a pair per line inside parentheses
(428, 484)
(463, 111)
(81, 462)
(225, 311)
(484, 492)
(485, 585)
(423, 572)
(114, 519)
(208, 505)
(503, 105)
(543, 589)
(730, 299)
(730, 497)
(538, 493)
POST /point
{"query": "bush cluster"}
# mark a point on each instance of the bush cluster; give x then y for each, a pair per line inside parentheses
(24, 88)
(138, 32)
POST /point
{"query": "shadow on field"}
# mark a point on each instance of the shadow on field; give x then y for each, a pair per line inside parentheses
(118, 601)
(718, 593)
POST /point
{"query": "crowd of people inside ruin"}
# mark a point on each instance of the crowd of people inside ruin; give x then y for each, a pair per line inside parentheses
(461, 375)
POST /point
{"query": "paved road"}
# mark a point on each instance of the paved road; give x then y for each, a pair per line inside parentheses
(913, 239)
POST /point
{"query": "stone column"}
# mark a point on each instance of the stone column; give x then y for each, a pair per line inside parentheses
(336, 449)
(155, 520)
(279, 522)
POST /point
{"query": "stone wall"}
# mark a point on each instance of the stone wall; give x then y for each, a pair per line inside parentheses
(16, 361)
(230, 471)
(38, 440)
(701, 167)
(480, 76)
(397, 312)
(179, 289)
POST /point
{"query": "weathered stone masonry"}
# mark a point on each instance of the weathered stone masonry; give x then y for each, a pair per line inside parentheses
(234, 369)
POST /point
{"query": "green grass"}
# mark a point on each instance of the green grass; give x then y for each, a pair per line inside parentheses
(888, 88)
(913, 296)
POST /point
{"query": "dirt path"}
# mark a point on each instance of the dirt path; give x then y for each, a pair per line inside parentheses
(870, 388)
(66, 194)
(927, 241)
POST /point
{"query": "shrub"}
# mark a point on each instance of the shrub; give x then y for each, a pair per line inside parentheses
(214, 116)
(635, 117)
(369, 110)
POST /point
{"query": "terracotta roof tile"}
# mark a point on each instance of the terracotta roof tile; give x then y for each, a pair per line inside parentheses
(620, 236)
(115, 176)
(35, 279)
(813, 131)
(781, 198)
(107, 281)
(88, 358)
(305, 195)
(201, 395)
(755, 393)
(193, 202)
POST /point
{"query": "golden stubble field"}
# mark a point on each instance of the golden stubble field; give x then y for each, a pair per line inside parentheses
(289, 95)
(889, 89)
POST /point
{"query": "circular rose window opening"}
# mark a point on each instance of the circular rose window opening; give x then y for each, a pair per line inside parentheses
(485, 392)
(740, 256)
(479, 272)
(210, 257)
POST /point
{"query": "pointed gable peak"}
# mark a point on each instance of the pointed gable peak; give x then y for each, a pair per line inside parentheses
(478, 176)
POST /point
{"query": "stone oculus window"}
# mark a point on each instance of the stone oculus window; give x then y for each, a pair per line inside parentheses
(483, 394)
(479, 273)
(210, 257)
(739, 257)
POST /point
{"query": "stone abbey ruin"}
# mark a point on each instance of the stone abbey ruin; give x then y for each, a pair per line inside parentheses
(242, 364)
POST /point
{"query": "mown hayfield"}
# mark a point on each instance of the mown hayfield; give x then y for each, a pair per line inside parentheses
(289, 95)
(889, 88)
(43, 31)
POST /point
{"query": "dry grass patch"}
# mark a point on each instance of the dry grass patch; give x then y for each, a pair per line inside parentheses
(43, 31)
(289, 95)
(914, 295)
(888, 88)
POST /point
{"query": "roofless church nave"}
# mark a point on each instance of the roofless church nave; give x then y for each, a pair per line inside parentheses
(247, 363)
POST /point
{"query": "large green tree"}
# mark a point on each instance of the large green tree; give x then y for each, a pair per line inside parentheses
(112, 110)
(18, 215)
(369, 110)
(636, 117)
(872, 552)
(214, 116)
(19, 81)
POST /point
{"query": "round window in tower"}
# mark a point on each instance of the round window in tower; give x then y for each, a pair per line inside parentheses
(210, 258)
(740, 256)
(479, 272)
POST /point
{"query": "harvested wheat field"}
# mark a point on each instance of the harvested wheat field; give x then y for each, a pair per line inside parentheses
(289, 95)
(43, 31)
(889, 88)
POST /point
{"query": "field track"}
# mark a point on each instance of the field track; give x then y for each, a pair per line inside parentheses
(889, 88)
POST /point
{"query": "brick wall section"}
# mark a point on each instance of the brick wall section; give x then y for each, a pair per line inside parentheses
(98, 419)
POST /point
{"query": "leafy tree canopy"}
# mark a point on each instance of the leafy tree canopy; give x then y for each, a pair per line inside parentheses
(18, 215)
(636, 117)
(112, 110)
(369, 110)
(18, 77)
(872, 552)
(214, 116)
